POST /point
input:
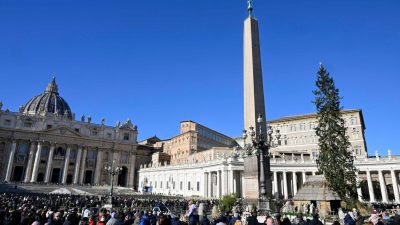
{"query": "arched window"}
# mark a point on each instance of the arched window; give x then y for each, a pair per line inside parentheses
(59, 152)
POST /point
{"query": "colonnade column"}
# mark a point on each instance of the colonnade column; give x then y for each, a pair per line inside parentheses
(370, 187)
(219, 184)
(35, 169)
(359, 193)
(49, 162)
(77, 165)
(231, 184)
(304, 176)
(209, 192)
(28, 173)
(294, 183)
(383, 186)
(66, 164)
(276, 185)
(99, 166)
(11, 160)
(205, 184)
(285, 187)
(395, 186)
(83, 166)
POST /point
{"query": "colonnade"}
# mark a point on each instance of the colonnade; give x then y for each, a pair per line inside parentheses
(382, 185)
(222, 182)
(285, 184)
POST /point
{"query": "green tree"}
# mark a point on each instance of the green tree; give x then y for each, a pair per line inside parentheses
(335, 159)
(227, 202)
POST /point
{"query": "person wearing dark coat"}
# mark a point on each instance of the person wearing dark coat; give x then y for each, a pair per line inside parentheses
(204, 221)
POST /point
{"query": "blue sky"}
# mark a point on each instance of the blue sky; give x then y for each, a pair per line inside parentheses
(160, 62)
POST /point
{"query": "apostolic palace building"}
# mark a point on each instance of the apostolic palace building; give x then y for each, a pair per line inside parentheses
(43, 142)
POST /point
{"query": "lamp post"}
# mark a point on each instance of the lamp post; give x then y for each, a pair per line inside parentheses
(260, 146)
(112, 170)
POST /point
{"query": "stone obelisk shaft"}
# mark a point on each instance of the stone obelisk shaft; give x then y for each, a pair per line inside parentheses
(253, 82)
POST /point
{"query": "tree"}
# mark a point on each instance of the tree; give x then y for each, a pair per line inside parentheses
(227, 202)
(335, 160)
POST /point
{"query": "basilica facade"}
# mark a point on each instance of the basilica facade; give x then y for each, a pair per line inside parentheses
(43, 143)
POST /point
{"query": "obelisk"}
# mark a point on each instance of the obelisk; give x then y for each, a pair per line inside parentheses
(254, 173)
(253, 82)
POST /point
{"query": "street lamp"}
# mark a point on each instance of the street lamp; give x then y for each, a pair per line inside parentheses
(260, 146)
(112, 170)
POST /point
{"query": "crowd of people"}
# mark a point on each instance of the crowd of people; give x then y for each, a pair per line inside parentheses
(58, 209)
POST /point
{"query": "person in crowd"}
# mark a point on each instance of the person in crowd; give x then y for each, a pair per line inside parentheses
(374, 218)
(315, 220)
(192, 213)
(269, 221)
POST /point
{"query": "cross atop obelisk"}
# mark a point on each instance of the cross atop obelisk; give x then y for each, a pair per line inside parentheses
(250, 6)
(253, 82)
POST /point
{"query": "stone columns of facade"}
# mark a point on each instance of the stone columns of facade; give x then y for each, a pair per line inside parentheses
(276, 191)
(383, 186)
(11, 160)
(205, 185)
(294, 183)
(132, 171)
(66, 164)
(49, 163)
(225, 183)
(99, 166)
(231, 183)
(36, 164)
(370, 187)
(219, 183)
(359, 192)
(304, 176)
(83, 166)
(243, 184)
(31, 158)
(209, 189)
(313, 173)
(395, 186)
(285, 186)
(77, 165)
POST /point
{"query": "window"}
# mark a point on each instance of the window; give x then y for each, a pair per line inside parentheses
(126, 136)
(49, 126)
(77, 130)
(94, 133)
(60, 152)
(45, 151)
(28, 124)
(155, 184)
(198, 186)
(90, 155)
(160, 184)
(353, 121)
(7, 122)
(302, 126)
(189, 185)
(109, 135)
(181, 184)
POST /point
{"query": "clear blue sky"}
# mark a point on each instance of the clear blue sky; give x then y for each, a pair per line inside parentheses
(160, 62)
